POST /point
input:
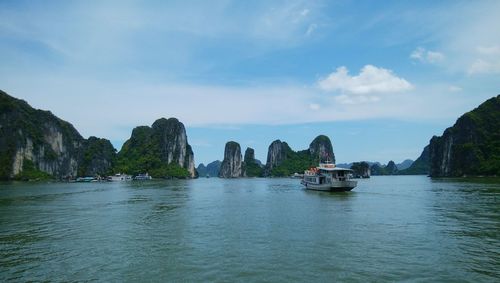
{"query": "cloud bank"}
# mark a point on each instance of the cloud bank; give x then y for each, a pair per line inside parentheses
(371, 79)
(427, 56)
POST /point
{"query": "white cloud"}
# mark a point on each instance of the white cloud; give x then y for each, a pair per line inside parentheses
(314, 106)
(454, 88)
(488, 61)
(356, 99)
(116, 107)
(481, 66)
(427, 56)
(371, 79)
(488, 50)
(311, 29)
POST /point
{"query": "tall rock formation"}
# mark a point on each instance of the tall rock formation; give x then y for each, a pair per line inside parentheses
(34, 141)
(277, 152)
(202, 170)
(377, 169)
(251, 168)
(361, 169)
(391, 168)
(322, 148)
(98, 157)
(471, 146)
(231, 166)
(162, 150)
(212, 169)
(283, 161)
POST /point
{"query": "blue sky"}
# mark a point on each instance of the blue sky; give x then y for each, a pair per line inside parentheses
(378, 77)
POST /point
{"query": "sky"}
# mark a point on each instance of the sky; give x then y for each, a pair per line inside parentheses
(380, 78)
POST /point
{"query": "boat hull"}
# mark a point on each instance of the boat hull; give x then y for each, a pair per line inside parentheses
(338, 186)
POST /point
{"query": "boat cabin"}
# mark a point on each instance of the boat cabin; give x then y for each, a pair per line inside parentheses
(327, 173)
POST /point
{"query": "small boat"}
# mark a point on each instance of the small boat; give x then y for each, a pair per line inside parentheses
(142, 177)
(328, 177)
(119, 177)
(85, 179)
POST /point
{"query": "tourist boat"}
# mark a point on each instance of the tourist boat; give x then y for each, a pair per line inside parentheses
(142, 177)
(328, 177)
(85, 179)
(119, 177)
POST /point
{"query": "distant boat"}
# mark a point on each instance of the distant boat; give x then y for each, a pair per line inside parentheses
(119, 177)
(85, 179)
(327, 177)
(142, 177)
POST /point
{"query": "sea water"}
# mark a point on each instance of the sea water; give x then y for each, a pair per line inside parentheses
(390, 228)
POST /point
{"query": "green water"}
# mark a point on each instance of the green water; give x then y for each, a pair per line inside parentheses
(254, 230)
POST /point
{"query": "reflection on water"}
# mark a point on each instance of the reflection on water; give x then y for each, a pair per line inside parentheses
(398, 228)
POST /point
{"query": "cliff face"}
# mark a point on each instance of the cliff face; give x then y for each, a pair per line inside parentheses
(322, 147)
(171, 137)
(471, 146)
(231, 166)
(161, 150)
(36, 140)
(276, 154)
(98, 157)
(361, 169)
(251, 168)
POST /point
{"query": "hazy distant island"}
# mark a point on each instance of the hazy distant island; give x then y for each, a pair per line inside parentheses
(282, 161)
(35, 144)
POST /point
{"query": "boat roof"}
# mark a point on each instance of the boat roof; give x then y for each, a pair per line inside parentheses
(334, 169)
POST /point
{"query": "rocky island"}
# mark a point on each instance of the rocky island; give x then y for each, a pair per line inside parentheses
(283, 161)
(231, 166)
(471, 147)
(36, 144)
(162, 150)
(212, 169)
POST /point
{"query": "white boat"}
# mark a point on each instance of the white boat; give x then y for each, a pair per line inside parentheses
(328, 177)
(119, 177)
(142, 177)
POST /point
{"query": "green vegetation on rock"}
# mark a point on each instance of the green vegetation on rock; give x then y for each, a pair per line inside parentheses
(250, 165)
(389, 169)
(98, 158)
(471, 147)
(295, 162)
(30, 173)
(420, 166)
(47, 143)
(361, 169)
(212, 169)
(283, 161)
(158, 150)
